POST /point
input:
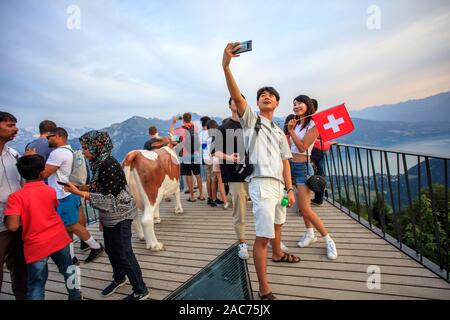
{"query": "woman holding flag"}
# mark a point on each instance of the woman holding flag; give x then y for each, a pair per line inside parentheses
(303, 132)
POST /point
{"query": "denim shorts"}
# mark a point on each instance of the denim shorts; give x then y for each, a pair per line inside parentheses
(300, 172)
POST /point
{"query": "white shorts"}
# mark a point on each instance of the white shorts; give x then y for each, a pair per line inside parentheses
(266, 195)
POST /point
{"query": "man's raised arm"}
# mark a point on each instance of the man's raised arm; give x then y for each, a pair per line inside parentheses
(233, 88)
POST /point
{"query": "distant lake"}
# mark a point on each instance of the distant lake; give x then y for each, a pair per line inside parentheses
(436, 147)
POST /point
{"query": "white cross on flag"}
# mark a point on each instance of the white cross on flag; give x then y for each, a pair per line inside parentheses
(333, 123)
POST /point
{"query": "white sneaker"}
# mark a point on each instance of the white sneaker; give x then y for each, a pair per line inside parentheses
(226, 206)
(282, 245)
(331, 250)
(307, 240)
(243, 251)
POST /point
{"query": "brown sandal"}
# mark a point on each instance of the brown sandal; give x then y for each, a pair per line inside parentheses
(268, 296)
(289, 258)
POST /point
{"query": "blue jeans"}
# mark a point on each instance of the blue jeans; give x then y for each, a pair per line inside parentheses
(203, 172)
(121, 255)
(300, 172)
(38, 274)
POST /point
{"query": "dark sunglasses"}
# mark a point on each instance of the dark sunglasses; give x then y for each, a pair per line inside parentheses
(50, 135)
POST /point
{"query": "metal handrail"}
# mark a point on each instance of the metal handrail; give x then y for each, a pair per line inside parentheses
(408, 153)
(90, 213)
(390, 202)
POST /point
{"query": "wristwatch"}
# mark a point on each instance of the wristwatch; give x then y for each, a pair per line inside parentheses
(290, 189)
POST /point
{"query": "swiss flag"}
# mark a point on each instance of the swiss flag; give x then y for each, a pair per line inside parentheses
(333, 123)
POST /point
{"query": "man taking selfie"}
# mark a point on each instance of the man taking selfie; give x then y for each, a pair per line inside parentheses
(269, 153)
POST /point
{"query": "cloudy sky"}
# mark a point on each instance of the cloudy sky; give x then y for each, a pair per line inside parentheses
(158, 58)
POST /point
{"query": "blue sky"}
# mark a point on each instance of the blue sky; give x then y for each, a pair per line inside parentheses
(159, 58)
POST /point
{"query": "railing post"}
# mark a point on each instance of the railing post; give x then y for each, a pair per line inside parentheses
(329, 173)
(395, 214)
(446, 218)
(364, 188)
(369, 212)
(337, 177)
(343, 176)
(408, 190)
(353, 179)
(358, 206)
(419, 186)
(433, 210)
(375, 183)
(383, 214)
(398, 198)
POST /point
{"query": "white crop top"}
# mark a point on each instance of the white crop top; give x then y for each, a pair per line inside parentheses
(301, 134)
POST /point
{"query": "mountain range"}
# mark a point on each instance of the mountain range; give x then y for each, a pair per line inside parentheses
(378, 131)
(434, 108)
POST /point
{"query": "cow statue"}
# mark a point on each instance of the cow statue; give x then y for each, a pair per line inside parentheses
(152, 176)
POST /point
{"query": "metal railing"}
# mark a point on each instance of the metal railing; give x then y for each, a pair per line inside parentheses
(90, 213)
(401, 196)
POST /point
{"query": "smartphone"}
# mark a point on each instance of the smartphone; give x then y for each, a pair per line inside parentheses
(245, 47)
(62, 183)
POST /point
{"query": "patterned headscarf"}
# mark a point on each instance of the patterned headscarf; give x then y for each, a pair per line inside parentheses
(100, 145)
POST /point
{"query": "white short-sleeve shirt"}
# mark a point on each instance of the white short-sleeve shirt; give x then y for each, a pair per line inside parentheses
(63, 159)
(205, 143)
(10, 180)
(270, 147)
(301, 134)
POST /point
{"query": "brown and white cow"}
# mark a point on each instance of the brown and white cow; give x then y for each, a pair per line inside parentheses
(152, 176)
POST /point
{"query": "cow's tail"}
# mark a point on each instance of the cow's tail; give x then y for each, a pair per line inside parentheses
(127, 164)
(132, 179)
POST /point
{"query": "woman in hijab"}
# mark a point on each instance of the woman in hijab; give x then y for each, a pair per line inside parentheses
(108, 193)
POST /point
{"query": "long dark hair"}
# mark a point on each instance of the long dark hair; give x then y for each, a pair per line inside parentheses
(288, 118)
(309, 108)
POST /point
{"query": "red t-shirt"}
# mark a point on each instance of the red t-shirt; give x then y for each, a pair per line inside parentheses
(43, 230)
(181, 132)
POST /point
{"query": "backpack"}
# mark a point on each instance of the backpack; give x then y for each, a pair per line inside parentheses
(246, 169)
(80, 171)
(193, 143)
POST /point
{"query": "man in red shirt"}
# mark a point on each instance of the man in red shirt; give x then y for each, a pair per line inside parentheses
(189, 154)
(44, 234)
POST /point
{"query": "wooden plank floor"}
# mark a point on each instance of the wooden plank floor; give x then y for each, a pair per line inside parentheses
(194, 239)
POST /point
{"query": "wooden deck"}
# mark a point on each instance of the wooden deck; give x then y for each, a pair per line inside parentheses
(194, 239)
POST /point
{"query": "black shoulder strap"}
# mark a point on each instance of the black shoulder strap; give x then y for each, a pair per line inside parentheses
(258, 125)
(257, 128)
